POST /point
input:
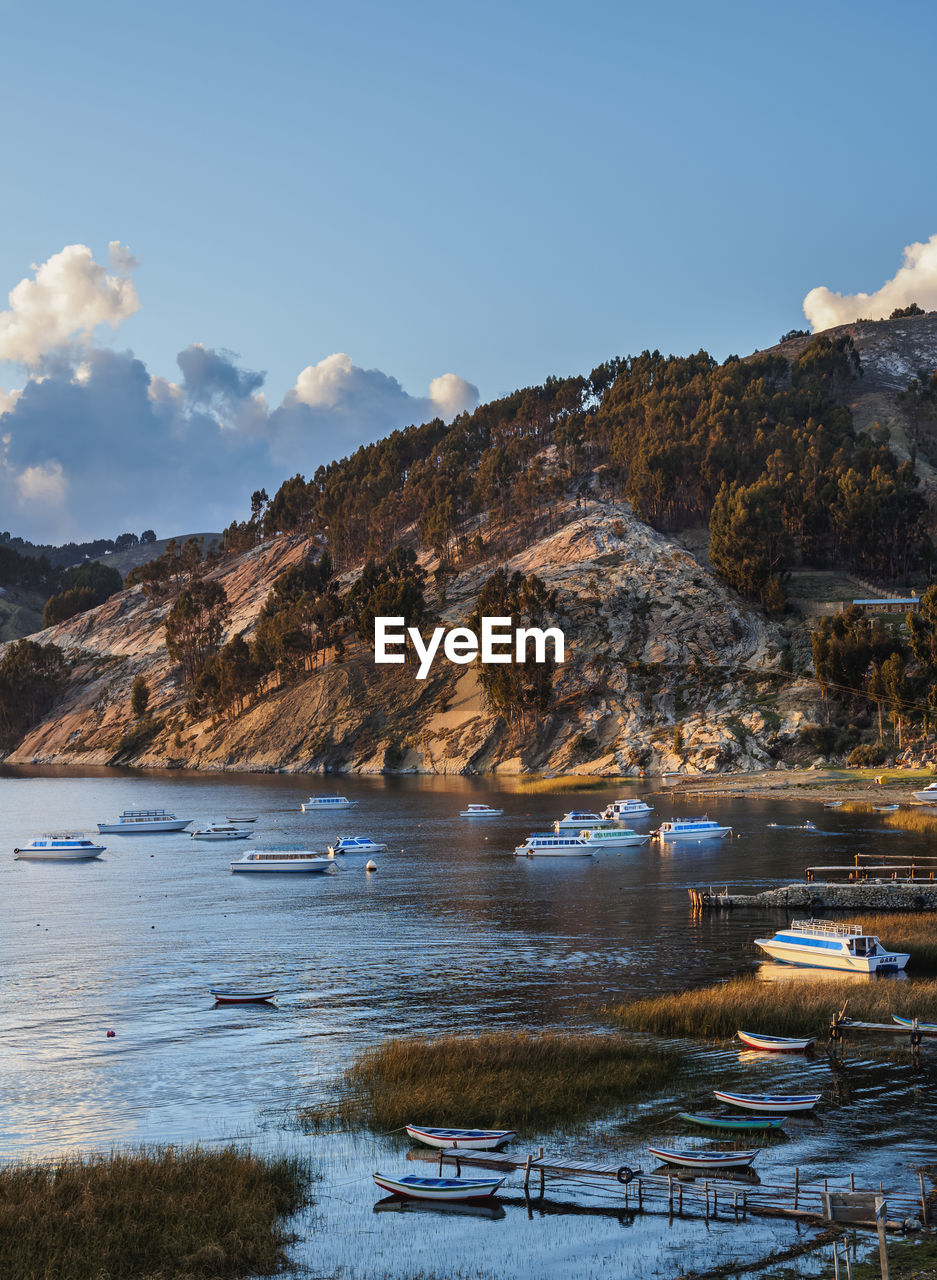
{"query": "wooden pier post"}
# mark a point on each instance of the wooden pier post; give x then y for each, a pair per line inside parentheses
(796, 1185)
(920, 1178)
(706, 1189)
(542, 1176)
(882, 1244)
(640, 1192)
(680, 1198)
(527, 1176)
(852, 1182)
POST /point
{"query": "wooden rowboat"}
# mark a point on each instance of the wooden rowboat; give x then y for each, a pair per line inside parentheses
(470, 1139)
(776, 1044)
(760, 1123)
(769, 1101)
(705, 1159)
(925, 1028)
(441, 1189)
(231, 995)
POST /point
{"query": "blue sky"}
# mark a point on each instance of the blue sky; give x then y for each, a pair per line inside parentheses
(497, 191)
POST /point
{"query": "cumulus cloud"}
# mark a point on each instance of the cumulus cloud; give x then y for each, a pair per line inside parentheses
(69, 296)
(915, 281)
(94, 443)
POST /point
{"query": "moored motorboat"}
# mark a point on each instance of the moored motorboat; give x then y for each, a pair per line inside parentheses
(612, 838)
(282, 860)
(239, 818)
(326, 804)
(442, 1189)
(143, 822)
(776, 1044)
(481, 811)
(550, 844)
(915, 1024)
(733, 1123)
(691, 830)
(771, 1102)
(356, 844)
(833, 804)
(619, 810)
(242, 995)
(826, 944)
(469, 1139)
(60, 846)
(219, 831)
(577, 819)
(693, 1159)
(928, 795)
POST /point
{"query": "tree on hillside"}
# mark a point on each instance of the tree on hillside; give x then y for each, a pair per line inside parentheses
(517, 691)
(139, 697)
(748, 545)
(31, 677)
(195, 625)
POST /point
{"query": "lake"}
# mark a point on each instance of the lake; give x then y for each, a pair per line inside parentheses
(451, 933)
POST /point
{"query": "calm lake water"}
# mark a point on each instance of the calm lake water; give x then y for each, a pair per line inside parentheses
(451, 933)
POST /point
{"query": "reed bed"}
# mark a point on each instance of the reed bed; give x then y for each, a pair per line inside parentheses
(556, 786)
(788, 1007)
(167, 1214)
(499, 1079)
(923, 821)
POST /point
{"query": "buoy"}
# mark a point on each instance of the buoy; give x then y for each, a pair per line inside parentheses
(370, 865)
(111, 1035)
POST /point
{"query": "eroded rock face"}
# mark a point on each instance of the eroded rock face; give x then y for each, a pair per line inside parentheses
(665, 669)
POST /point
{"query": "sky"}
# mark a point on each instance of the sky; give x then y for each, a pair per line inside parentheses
(242, 239)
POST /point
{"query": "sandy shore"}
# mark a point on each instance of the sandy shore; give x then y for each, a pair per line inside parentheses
(821, 785)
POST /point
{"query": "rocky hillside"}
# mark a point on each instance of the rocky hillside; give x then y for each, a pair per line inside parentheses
(665, 668)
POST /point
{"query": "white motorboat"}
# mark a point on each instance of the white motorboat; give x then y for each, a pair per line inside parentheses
(481, 811)
(599, 838)
(825, 944)
(60, 846)
(928, 795)
(282, 860)
(356, 844)
(219, 831)
(143, 822)
(576, 819)
(240, 818)
(692, 830)
(326, 804)
(620, 810)
(551, 844)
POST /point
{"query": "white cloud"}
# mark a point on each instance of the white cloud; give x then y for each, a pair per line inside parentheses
(69, 296)
(8, 399)
(915, 281)
(453, 395)
(46, 482)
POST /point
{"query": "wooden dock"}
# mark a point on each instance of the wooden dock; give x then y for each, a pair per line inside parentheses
(675, 1193)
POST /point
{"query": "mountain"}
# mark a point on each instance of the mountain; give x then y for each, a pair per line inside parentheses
(668, 666)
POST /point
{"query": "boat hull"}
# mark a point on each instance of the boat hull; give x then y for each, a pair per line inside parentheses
(218, 835)
(488, 813)
(59, 855)
(522, 852)
(278, 868)
(467, 1139)
(776, 1044)
(694, 837)
(705, 1159)
(733, 1123)
(442, 1190)
(925, 1028)
(811, 958)
(925, 797)
(142, 828)
(772, 1103)
(223, 996)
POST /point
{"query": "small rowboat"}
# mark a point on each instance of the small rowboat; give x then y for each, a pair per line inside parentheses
(769, 1101)
(470, 1139)
(885, 808)
(925, 1028)
(705, 1159)
(240, 995)
(833, 804)
(748, 1123)
(442, 1189)
(776, 1044)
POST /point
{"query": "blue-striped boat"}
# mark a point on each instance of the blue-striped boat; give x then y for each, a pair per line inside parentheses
(705, 1159)
(925, 1028)
(769, 1101)
(469, 1139)
(443, 1189)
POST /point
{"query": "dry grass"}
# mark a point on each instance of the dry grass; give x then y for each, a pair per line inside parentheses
(921, 820)
(510, 1079)
(167, 1214)
(787, 1007)
(557, 786)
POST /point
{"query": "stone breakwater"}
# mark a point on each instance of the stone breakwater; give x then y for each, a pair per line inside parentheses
(811, 899)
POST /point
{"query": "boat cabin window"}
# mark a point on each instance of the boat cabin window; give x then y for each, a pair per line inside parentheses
(863, 947)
